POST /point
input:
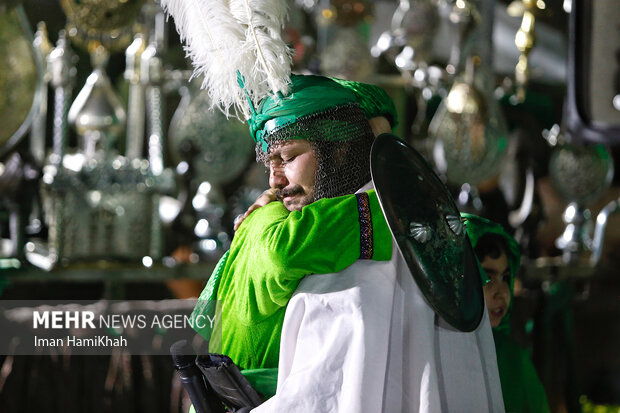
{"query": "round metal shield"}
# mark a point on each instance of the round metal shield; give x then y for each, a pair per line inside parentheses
(429, 232)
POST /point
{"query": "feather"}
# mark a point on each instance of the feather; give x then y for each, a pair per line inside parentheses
(223, 37)
(269, 57)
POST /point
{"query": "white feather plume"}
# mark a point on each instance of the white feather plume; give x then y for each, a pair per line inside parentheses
(225, 36)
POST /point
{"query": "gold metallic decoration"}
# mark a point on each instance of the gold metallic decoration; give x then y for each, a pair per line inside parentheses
(525, 39)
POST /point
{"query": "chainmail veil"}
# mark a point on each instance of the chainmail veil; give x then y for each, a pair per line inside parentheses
(341, 138)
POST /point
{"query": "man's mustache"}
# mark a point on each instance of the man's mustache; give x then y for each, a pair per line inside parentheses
(292, 191)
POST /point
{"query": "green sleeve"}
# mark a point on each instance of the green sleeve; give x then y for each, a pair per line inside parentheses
(324, 237)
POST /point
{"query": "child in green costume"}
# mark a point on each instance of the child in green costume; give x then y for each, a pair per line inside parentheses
(498, 254)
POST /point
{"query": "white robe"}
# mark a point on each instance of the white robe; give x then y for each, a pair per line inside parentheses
(365, 340)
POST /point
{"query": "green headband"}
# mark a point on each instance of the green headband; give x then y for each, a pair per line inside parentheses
(315, 94)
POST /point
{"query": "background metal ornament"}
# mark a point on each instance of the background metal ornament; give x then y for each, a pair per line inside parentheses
(20, 77)
(347, 56)
(468, 132)
(106, 21)
(581, 173)
(444, 267)
(219, 148)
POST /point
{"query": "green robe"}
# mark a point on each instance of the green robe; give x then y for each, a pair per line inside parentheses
(521, 388)
(271, 252)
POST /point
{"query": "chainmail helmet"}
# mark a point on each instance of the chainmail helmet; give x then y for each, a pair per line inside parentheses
(332, 114)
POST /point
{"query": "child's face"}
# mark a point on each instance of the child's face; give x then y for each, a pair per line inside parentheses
(497, 290)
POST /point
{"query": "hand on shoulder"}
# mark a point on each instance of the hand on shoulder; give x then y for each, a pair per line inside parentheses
(265, 198)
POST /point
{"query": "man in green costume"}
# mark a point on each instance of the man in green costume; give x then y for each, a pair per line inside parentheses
(317, 147)
(357, 335)
(499, 254)
(311, 285)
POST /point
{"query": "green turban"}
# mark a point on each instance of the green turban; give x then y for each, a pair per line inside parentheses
(314, 94)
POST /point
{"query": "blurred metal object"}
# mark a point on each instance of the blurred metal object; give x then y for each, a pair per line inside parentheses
(136, 106)
(152, 78)
(307, 5)
(38, 132)
(210, 205)
(408, 43)
(99, 204)
(18, 183)
(107, 22)
(575, 239)
(463, 18)
(347, 56)
(468, 132)
(343, 48)
(20, 77)
(101, 208)
(525, 38)
(97, 112)
(215, 150)
(43, 47)
(416, 21)
(599, 230)
(580, 174)
(592, 109)
(101, 25)
(61, 67)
